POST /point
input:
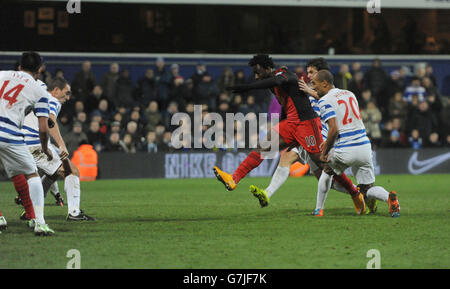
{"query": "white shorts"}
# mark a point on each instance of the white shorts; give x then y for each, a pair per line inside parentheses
(17, 159)
(48, 167)
(359, 158)
(305, 159)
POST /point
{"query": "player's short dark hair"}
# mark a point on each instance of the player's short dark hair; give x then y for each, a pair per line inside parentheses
(262, 59)
(319, 63)
(57, 83)
(325, 75)
(30, 61)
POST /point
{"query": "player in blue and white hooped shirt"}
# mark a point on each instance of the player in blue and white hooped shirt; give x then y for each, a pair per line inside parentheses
(19, 93)
(347, 144)
(299, 154)
(58, 93)
(29, 129)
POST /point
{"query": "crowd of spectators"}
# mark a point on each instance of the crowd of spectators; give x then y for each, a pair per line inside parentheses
(114, 114)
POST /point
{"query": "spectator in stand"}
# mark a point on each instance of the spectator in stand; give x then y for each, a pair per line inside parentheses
(375, 79)
(166, 144)
(251, 104)
(371, 117)
(172, 109)
(435, 104)
(240, 77)
(423, 120)
(91, 102)
(115, 127)
(395, 140)
(113, 144)
(393, 84)
(366, 97)
(118, 117)
(79, 106)
(225, 79)
(433, 140)
(75, 137)
(414, 89)
(97, 117)
(224, 108)
(95, 137)
(83, 81)
(59, 73)
(430, 88)
(415, 140)
(65, 124)
(356, 67)
(82, 118)
(150, 145)
(236, 103)
(343, 77)
(128, 144)
(109, 81)
(224, 97)
(145, 91)
(103, 110)
(398, 106)
(153, 116)
(136, 117)
(420, 72)
(160, 130)
(177, 92)
(132, 130)
(175, 71)
(207, 92)
(124, 90)
(163, 80)
(188, 91)
(430, 75)
(356, 85)
(200, 71)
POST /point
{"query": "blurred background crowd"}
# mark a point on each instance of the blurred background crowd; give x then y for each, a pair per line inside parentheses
(115, 114)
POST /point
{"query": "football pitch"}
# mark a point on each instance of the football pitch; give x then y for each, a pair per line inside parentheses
(196, 223)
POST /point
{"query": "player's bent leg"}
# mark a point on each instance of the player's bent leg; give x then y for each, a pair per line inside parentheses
(281, 173)
(323, 188)
(252, 161)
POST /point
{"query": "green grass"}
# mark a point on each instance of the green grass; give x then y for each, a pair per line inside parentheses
(195, 223)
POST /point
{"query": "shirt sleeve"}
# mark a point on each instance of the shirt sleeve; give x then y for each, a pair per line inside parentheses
(53, 107)
(326, 110)
(41, 108)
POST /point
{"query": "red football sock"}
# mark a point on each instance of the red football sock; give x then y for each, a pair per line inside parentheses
(1, 214)
(344, 181)
(21, 185)
(251, 161)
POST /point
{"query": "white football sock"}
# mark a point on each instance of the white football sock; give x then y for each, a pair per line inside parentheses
(279, 177)
(338, 187)
(72, 188)
(47, 183)
(37, 198)
(378, 193)
(322, 189)
(54, 189)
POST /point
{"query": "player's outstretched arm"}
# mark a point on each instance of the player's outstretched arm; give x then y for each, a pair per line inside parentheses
(259, 84)
(43, 136)
(56, 135)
